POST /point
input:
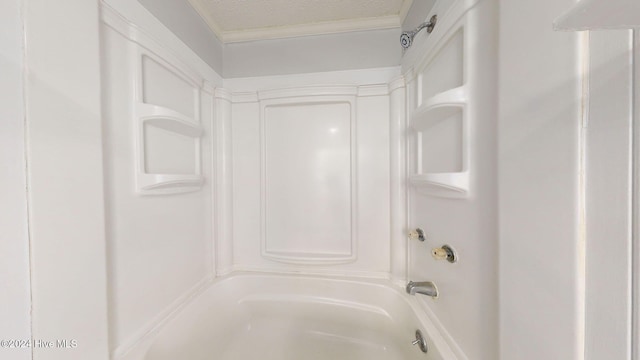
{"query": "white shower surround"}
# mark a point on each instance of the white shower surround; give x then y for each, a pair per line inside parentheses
(169, 223)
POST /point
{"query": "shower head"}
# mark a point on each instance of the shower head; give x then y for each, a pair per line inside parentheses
(406, 39)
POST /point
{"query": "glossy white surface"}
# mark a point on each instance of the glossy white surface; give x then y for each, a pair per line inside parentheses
(441, 143)
(169, 129)
(452, 192)
(318, 201)
(160, 245)
(223, 184)
(308, 175)
(444, 69)
(440, 117)
(277, 317)
(15, 301)
(398, 183)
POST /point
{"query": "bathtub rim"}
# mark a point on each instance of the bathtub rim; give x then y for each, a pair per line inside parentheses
(138, 347)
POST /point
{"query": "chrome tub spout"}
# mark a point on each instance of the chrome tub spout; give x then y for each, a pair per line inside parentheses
(422, 287)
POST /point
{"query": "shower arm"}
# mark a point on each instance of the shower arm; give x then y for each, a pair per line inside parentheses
(406, 39)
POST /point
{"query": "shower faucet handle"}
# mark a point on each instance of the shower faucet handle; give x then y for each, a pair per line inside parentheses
(417, 234)
(445, 252)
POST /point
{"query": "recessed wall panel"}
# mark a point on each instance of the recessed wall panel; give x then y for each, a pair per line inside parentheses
(445, 71)
(441, 145)
(307, 180)
(169, 130)
(163, 87)
(168, 152)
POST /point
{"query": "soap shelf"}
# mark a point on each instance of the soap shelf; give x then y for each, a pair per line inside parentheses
(455, 96)
(168, 183)
(454, 184)
(169, 120)
(444, 106)
(174, 122)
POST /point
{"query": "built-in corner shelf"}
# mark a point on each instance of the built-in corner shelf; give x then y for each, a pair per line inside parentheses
(168, 129)
(453, 97)
(454, 184)
(186, 132)
(441, 143)
(439, 107)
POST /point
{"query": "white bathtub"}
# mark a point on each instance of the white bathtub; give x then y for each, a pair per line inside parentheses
(280, 317)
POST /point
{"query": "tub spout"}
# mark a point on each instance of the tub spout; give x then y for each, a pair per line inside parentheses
(422, 287)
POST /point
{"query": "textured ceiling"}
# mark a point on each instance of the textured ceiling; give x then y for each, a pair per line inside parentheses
(303, 17)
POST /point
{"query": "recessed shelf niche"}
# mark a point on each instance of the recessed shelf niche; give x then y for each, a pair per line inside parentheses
(440, 143)
(440, 139)
(167, 113)
(444, 71)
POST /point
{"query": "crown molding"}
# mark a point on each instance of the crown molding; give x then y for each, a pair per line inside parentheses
(319, 28)
(322, 28)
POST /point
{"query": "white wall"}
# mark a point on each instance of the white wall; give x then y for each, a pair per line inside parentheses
(15, 302)
(608, 195)
(539, 166)
(333, 52)
(64, 156)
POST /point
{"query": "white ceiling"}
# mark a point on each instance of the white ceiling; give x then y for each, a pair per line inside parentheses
(245, 20)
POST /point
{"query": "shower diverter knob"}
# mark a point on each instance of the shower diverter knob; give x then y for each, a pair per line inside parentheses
(417, 234)
(445, 252)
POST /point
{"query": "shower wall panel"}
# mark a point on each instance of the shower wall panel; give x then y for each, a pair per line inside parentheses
(452, 171)
(158, 120)
(307, 178)
(311, 178)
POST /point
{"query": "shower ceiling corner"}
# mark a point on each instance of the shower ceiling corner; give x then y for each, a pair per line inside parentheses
(236, 21)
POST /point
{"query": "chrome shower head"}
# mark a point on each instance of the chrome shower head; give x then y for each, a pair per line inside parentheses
(406, 39)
